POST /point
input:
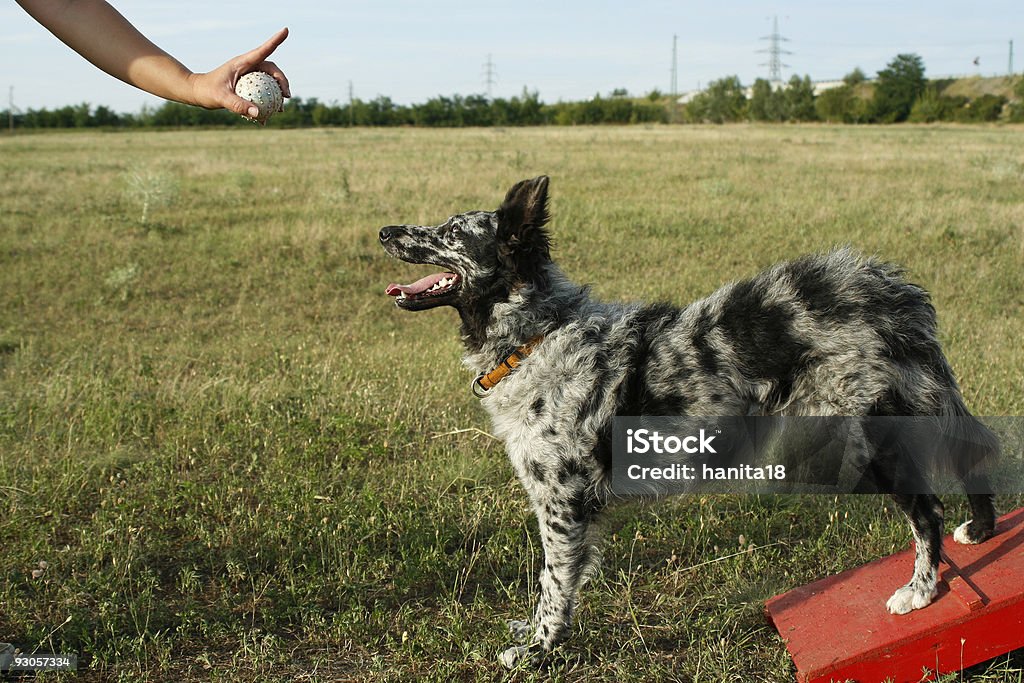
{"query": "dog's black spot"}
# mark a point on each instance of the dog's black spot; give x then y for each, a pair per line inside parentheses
(906, 337)
(681, 373)
(596, 396)
(891, 403)
(538, 406)
(706, 354)
(819, 291)
(558, 528)
(901, 314)
(581, 506)
(644, 391)
(570, 467)
(677, 404)
(577, 565)
(602, 451)
(549, 432)
(537, 470)
(680, 360)
(762, 337)
(475, 310)
(421, 254)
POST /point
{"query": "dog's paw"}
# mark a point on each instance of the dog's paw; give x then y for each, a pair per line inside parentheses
(519, 655)
(970, 533)
(909, 598)
(521, 630)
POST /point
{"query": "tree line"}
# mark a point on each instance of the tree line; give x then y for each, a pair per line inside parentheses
(440, 112)
(900, 92)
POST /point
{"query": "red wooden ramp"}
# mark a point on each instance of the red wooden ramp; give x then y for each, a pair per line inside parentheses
(838, 628)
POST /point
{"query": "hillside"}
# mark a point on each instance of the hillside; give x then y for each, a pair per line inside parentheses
(976, 86)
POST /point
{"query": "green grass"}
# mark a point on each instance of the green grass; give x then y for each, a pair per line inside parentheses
(241, 462)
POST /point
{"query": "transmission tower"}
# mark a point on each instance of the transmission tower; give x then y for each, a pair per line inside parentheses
(1010, 71)
(490, 76)
(673, 88)
(775, 53)
(351, 105)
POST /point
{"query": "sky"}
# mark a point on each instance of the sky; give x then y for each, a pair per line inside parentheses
(562, 49)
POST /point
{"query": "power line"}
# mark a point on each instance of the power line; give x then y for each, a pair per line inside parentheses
(674, 85)
(351, 105)
(489, 76)
(775, 53)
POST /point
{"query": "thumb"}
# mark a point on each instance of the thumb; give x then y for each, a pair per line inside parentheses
(260, 54)
(242, 107)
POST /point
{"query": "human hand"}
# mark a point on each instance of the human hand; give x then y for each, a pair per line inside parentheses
(216, 89)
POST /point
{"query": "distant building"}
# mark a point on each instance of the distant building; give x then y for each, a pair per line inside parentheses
(822, 86)
(819, 87)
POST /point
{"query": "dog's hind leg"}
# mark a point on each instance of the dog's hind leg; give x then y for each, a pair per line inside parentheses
(925, 514)
(982, 523)
(975, 454)
(565, 526)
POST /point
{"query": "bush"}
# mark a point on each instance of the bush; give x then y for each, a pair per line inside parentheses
(930, 107)
(723, 101)
(799, 99)
(834, 104)
(842, 105)
(855, 77)
(898, 87)
(988, 107)
(606, 110)
(765, 102)
(980, 109)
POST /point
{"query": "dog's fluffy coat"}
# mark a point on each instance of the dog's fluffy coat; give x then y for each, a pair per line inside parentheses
(833, 334)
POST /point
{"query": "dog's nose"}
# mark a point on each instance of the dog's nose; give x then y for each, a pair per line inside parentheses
(388, 232)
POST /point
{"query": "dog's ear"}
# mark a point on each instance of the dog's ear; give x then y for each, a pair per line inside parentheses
(523, 243)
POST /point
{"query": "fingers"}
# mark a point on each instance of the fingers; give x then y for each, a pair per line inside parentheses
(255, 60)
(253, 57)
(236, 104)
(278, 75)
(217, 88)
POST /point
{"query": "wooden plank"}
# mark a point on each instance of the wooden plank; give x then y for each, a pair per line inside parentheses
(838, 628)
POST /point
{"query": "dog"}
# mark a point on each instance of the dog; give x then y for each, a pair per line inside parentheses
(831, 334)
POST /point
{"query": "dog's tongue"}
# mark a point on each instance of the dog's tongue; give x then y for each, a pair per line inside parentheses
(421, 285)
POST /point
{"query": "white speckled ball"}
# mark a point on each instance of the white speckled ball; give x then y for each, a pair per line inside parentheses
(262, 90)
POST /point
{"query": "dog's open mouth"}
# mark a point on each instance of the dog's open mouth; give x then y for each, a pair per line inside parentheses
(433, 290)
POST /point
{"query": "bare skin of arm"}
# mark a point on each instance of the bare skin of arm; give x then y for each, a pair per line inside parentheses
(98, 32)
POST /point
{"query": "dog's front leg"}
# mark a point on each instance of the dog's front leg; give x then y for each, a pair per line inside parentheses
(568, 555)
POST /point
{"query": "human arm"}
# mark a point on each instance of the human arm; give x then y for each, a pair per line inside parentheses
(104, 37)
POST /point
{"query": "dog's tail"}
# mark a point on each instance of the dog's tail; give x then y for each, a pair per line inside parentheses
(972, 447)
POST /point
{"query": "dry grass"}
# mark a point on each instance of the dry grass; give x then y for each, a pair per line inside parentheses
(220, 434)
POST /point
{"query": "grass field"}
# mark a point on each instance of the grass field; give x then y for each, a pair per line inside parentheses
(239, 461)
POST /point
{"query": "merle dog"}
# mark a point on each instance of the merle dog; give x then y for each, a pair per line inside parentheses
(833, 334)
